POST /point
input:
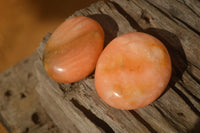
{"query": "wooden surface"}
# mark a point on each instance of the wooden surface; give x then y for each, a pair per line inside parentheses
(77, 107)
(20, 108)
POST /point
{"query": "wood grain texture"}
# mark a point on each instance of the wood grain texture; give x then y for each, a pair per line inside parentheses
(20, 108)
(77, 107)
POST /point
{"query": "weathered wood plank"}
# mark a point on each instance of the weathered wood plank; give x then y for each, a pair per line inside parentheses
(62, 108)
(77, 107)
(20, 108)
(68, 97)
(194, 5)
(162, 26)
(177, 110)
(179, 11)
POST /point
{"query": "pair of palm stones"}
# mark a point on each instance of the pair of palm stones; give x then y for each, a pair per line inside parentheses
(131, 71)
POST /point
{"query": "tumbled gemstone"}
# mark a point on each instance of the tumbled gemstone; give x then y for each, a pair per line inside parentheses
(73, 49)
(132, 71)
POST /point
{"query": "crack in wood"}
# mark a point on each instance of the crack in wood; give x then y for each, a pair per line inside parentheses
(108, 4)
(100, 11)
(88, 10)
(85, 86)
(195, 78)
(170, 121)
(194, 66)
(66, 87)
(187, 101)
(184, 3)
(161, 11)
(176, 18)
(131, 21)
(141, 120)
(62, 88)
(92, 117)
(187, 25)
(188, 92)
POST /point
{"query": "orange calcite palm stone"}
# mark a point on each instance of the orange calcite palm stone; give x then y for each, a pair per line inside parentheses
(73, 49)
(132, 71)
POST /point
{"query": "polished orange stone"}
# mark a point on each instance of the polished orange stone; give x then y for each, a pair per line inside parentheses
(132, 71)
(73, 49)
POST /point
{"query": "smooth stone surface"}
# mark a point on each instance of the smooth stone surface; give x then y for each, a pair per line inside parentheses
(132, 71)
(72, 51)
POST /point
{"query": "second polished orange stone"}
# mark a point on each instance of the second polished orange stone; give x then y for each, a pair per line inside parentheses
(73, 49)
(132, 71)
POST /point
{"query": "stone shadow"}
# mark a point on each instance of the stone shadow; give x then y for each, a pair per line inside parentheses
(108, 24)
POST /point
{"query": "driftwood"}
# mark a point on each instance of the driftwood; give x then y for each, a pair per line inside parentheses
(20, 108)
(77, 107)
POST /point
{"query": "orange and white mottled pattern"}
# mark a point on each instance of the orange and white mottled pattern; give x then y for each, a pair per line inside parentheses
(132, 71)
